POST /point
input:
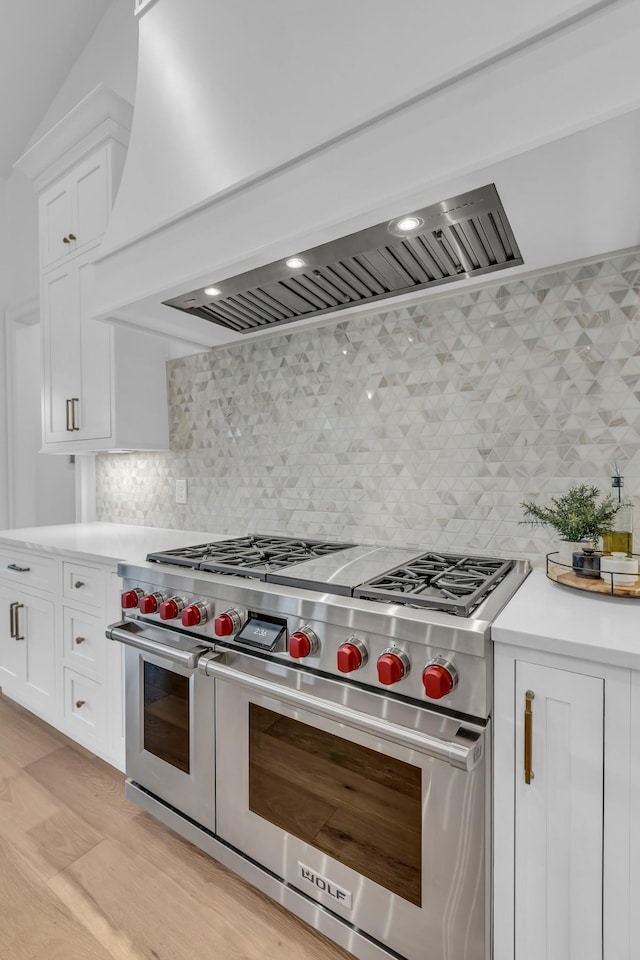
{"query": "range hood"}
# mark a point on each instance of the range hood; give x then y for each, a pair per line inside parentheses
(465, 236)
(294, 139)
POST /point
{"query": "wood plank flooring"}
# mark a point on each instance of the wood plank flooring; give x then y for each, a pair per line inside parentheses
(86, 875)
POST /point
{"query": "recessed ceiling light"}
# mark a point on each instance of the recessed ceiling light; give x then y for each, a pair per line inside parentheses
(212, 291)
(295, 262)
(407, 224)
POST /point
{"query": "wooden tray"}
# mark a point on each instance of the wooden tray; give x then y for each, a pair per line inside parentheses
(560, 573)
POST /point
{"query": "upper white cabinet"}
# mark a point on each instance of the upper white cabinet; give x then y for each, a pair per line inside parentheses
(74, 211)
(104, 387)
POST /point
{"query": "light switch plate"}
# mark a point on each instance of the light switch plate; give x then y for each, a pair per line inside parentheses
(181, 491)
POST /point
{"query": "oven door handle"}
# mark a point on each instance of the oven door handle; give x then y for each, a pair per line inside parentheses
(463, 756)
(132, 636)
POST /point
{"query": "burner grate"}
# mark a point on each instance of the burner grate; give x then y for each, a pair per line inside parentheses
(448, 582)
(255, 555)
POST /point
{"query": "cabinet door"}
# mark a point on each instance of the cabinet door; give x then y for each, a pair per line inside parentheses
(77, 357)
(61, 352)
(559, 816)
(90, 200)
(56, 223)
(27, 654)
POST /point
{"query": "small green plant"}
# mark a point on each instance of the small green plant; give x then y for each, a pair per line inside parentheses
(576, 515)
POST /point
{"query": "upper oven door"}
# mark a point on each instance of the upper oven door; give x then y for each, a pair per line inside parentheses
(372, 807)
(169, 717)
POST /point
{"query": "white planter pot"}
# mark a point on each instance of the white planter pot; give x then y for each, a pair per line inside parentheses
(566, 549)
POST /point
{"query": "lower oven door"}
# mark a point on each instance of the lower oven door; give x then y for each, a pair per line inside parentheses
(169, 717)
(372, 807)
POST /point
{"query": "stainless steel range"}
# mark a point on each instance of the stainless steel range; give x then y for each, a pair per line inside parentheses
(317, 717)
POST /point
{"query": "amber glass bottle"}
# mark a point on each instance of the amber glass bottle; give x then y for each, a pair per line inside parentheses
(620, 538)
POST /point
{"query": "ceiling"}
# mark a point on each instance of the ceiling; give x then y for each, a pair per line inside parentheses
(39, 43)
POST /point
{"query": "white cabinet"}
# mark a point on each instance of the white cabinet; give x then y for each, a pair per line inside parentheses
(561, 840)
(104, 386)
(558, 814)
(54, 656)
(77, 357)
(74, 211)
(27, 651)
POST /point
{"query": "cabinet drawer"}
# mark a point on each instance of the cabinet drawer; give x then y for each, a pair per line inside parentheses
(84, 584)
(28, 570)
(85, 712)
(84, 643)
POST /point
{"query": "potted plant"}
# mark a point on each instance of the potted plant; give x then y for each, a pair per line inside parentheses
(577, 516)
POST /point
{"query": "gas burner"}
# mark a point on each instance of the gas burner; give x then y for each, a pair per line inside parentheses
(255, 555)
(448, 582)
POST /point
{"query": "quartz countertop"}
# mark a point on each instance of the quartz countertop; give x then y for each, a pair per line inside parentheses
(547, 616)
(102, 541)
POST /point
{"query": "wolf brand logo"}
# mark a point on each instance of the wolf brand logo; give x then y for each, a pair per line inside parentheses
(323, 885)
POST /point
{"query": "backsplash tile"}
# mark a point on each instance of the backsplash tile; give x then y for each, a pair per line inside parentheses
(424, 425)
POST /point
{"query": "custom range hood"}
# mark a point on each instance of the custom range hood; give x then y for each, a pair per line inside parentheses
(262, 132)
(465, 236)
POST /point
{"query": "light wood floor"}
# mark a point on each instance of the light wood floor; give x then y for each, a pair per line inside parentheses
(85, 875)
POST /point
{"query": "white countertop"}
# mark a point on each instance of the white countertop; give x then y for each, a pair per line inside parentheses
(547, 616)
(103, 541)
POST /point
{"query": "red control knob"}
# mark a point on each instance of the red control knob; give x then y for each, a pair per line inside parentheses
(225, 624)
(170, 609)
(349, 657)
(150, 602)
(391, 668)
(302, 643)
(194, 614)
(130, 598)
(438, 680)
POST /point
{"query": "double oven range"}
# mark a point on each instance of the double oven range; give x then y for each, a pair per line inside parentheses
(316, 716)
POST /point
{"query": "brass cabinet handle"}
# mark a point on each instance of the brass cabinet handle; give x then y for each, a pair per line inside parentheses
(16, 621)
(80, 703)
(72, 236)
(78, 584)
(528, 735)
(68, 403)
(17, 568)
(74, 423)
(66, 240)
(12, 619)
(80, 640)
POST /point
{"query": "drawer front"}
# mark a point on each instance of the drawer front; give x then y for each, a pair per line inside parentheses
(28, 570)
(84, 584)
(84, 643)
(85, 712)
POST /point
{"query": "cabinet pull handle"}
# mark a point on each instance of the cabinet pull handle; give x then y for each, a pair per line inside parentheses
(69, 427)
(78, 584)
(12, 620)
(72, 236)
(80, 640)
(66, 240)
(18, 569)
(74, 424)
(80, 703)
(528, 735)
(18, 636)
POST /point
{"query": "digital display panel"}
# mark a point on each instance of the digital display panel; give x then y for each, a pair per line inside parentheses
(261, 633)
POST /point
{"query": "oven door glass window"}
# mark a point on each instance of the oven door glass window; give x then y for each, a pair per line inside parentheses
(166, 716)
(355, 804)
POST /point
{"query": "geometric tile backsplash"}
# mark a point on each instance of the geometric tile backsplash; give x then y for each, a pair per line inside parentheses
(423, 425)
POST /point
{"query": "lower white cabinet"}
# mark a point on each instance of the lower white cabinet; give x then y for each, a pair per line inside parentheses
(559, 723)
(562, 814)
(54, 656)
(27, 649)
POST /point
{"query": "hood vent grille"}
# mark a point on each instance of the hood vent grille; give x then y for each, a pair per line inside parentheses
(464, 237)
